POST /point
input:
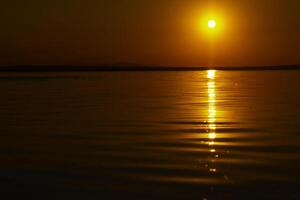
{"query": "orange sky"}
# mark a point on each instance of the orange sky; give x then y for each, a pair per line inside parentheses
(149, 32)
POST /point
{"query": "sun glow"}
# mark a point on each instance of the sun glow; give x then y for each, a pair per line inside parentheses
(212, 24)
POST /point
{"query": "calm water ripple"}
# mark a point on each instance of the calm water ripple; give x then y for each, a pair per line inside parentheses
(173, 135)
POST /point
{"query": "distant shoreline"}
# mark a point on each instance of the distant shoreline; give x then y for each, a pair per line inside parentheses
(139, 68)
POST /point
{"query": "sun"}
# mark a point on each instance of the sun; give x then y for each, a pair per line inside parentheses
(212, 24)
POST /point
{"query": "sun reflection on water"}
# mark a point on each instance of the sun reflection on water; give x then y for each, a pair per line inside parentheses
(211, 116)
(211, 74)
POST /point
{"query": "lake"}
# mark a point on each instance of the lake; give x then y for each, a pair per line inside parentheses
(150, 135)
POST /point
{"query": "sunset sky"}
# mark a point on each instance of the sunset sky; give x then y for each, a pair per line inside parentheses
(149, 32)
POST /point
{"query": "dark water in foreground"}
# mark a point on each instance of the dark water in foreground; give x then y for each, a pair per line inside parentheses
(150, 135)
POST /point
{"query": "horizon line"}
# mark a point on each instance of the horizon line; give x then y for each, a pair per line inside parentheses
(115, 68)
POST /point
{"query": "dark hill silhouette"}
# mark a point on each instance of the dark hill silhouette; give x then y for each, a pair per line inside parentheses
(112, 68)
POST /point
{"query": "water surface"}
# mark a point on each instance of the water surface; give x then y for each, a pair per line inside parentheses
(150, 135)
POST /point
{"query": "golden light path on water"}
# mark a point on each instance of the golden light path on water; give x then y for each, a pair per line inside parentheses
(212, 115)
